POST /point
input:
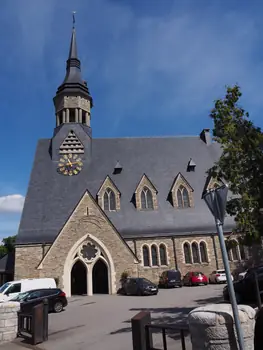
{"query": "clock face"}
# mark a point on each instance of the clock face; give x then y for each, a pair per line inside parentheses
(70, 164)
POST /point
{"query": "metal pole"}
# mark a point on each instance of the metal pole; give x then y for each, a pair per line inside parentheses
(230, 286)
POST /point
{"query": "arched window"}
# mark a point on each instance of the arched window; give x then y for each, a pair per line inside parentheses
(187, 253)
(146, 198)
(242, 252)
(195, 253)
(183, 197)
(203, 252)
(234, 249)
(154, 255)
(146, 256)
(109, 200)
(163, 257)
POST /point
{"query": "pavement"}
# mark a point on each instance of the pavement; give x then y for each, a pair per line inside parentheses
(103, 321)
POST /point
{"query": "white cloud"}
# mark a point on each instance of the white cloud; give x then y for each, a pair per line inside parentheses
(12, 203)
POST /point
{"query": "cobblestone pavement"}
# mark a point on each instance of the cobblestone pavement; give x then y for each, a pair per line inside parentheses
(103, 321)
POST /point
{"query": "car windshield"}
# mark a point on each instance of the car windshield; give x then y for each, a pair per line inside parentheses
(220, 271)
(4, 287)
(174, 274)
(197, 274)
(20, 296)
(145, 281)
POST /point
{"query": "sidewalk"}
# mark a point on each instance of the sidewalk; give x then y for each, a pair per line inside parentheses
(18, 344)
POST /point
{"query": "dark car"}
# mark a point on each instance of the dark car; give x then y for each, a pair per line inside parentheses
(245, 289)
(139, 286)
(195, 278)
(57, 300)
(170, 278)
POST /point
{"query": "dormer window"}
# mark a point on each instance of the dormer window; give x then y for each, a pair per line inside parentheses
(191, 165)
(181, 193)
(109, 200)
(146, 198)
(117, 168)
(109, 196)
(183, 197)
(145, 195)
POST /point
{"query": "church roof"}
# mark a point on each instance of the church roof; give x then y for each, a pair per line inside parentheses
(52, 197)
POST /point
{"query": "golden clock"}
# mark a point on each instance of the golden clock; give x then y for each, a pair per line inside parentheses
(70, 164)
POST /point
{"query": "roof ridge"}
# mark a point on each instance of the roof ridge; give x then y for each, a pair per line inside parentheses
(146, 137)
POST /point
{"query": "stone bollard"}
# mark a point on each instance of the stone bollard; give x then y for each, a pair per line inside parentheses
(212, 327)
(8, 321)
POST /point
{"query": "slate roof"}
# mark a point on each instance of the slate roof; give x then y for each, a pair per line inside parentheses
(7, 263)
(52, 197)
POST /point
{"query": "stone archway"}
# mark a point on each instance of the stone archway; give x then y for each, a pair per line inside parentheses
(90, 250)
(79, 278)
(100, 282)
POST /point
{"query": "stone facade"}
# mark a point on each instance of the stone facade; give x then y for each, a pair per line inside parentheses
(80, 228)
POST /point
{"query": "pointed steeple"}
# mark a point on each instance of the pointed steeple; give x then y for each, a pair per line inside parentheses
(73, 100)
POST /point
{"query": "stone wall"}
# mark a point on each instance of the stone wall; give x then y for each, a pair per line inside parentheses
(27, 259)
(8, 321)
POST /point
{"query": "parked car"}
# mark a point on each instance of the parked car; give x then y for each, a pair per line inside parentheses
(245, 289)
(139, 286)
(195, 278)
(218, 276)
(170, 278)
(242, 275)
(57, 300)
(12, 289)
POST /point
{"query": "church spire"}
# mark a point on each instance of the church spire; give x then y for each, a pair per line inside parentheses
(73, 93)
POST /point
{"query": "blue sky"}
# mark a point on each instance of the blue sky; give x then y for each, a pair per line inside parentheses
(154, 67)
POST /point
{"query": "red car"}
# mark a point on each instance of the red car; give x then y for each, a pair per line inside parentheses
(195, 278)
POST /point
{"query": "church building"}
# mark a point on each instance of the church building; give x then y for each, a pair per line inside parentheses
(98, 207)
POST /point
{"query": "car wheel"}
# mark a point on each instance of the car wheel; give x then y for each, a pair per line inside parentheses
(58, 307)
(190, 284)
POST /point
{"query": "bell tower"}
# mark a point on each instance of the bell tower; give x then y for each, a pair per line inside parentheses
(73, 101)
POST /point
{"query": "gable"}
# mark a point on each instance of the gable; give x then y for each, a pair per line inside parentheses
(145, 181)
(181, 180)
(108, 183)
(87, 218)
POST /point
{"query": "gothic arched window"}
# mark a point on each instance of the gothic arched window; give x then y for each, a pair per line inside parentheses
(203, 252)
(187, 253)
(235, 250)
(154, 255)
(109, 200)
(195, 253)
(146, 198)
(163, 256)
(146, 256)
(183, 199)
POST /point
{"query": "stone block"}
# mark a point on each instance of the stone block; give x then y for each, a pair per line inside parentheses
(11, 322)
(212, 327)
(9, 336)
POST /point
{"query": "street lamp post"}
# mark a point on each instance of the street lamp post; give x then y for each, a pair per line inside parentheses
(216, 201)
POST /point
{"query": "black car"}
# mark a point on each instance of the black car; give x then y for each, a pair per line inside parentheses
(245, 289)
(170, 278)
(57, 300)
(139, 286)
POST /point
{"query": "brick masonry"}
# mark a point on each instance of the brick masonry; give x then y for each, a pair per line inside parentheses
(8, 321)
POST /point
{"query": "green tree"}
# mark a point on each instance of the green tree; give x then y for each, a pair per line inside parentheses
(8, 245)
(240, 164)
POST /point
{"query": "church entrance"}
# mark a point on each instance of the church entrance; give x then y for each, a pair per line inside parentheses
(100, 278)
(79, 279)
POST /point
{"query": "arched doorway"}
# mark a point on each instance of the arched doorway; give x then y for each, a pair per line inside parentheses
(79, 279)
(100, 278)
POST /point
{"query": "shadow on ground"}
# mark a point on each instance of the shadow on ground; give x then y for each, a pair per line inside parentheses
(172, 316)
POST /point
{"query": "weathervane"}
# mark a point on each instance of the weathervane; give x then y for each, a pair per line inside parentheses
(73, 17)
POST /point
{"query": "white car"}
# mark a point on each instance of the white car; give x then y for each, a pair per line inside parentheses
(218, 276)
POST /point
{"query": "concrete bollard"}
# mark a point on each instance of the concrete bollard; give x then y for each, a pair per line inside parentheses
(8, 321)
(212, 327)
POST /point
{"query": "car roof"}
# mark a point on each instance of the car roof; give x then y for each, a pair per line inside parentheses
(41, 289)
